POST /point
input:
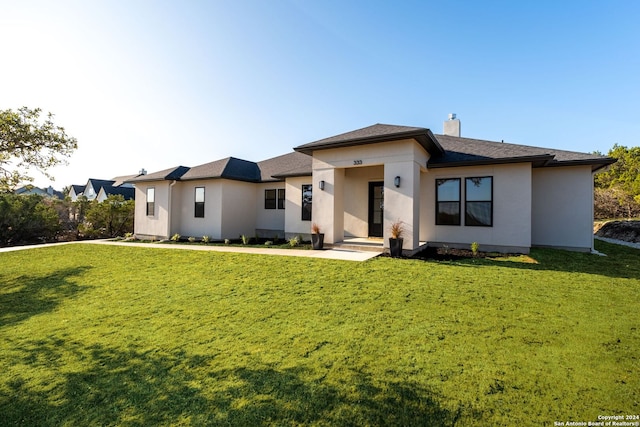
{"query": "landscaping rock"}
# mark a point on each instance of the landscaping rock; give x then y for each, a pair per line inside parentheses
(628, 231)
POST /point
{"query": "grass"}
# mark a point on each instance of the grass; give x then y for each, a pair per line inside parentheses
(101, 335)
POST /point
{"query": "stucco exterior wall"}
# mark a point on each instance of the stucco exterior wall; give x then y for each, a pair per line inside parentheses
(512, 200)
(238, 209)
(157, 225)
(370, 155)
(269, 222)
(562, 213)
(294, 224)
(184, 221)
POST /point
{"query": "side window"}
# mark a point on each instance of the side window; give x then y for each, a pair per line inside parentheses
(269, 199)
(478, 201)
(281, 198)
(448, 201)
(307, 194)
(199, 203)
(151, 201)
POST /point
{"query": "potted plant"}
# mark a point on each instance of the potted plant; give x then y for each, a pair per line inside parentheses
(317, 238)
(396, 240)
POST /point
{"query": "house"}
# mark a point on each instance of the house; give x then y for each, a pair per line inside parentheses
(100, 189)
(75, 191)
(445, 189)
(45, 192)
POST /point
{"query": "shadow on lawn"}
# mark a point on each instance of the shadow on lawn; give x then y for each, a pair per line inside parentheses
(151, 388)
(28, 296)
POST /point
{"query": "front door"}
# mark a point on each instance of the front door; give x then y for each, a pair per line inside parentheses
(376, 208)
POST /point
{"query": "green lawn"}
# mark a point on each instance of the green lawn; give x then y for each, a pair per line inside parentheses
(101, 335)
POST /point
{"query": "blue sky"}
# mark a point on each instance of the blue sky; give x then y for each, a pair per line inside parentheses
(156, 84)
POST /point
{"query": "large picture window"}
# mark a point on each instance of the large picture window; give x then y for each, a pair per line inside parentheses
(151, 201)
(269, 199)
(479, 201)
(199, 204)
(448, 201)
(306, 202)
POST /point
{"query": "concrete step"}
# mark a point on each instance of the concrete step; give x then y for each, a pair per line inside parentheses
(365, 247)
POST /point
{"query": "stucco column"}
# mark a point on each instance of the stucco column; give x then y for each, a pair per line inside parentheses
(328, 203)
(402, 203)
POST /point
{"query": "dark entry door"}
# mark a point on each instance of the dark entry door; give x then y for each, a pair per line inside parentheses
(376, 208)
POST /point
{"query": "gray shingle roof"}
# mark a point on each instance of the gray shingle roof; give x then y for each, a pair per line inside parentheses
(373, 134)
(287, 165)
(468, 151)
(119, 180)
(445, 150)
(230, 168)
(274, 169)
(170, 174)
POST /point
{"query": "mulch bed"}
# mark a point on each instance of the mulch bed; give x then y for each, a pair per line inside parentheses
(449, 254)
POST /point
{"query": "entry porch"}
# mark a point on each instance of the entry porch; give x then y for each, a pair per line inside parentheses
(356, 206)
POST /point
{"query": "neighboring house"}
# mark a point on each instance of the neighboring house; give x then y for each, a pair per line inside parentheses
(445, 189)
(30, 189)
(100, 189)
(128, 193)
(75, 191)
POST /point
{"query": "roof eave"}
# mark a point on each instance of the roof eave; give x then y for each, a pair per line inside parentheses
(596, 164)
(202, 178)
(424, 136)
(289, 175)
(537, 161)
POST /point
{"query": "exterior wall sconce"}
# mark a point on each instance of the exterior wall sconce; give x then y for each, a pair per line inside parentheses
(321, 185)
(396, 181)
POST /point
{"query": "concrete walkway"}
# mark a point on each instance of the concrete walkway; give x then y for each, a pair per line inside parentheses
(339, 254)
(618, 242)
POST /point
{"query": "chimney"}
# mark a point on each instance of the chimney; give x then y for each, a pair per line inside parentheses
(452, 126)
(143, 172)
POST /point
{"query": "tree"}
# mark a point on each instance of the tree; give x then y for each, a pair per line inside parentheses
(619, 183)
(110, 218)
(26, 219)
(27, 141)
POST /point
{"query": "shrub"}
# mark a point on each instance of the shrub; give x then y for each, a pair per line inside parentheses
(245, 239)
(268, 243)
(109, 218)
(294, 241)
(206, 239)
(397, 229)
(191, 239)
(176, 237)
(227, 241)
(474, 248)
(27, 219)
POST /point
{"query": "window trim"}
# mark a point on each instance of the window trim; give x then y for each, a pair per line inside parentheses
(151, 206)
(467, 202)
(459, 202)
(198, 207)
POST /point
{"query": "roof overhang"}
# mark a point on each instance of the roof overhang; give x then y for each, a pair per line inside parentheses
(536, 161)
(596, 164)
(423, 136)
